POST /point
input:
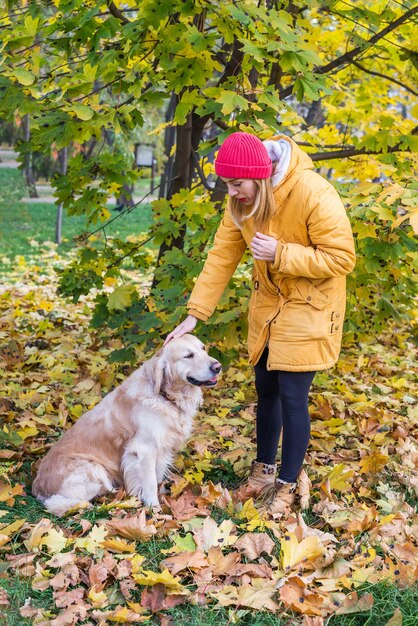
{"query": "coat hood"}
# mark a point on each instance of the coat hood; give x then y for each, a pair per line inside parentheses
(293, 158)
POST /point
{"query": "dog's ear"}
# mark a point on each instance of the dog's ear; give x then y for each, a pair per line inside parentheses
(158, 372)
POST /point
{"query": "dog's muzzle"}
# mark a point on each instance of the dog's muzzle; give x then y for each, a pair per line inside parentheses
(210, 382)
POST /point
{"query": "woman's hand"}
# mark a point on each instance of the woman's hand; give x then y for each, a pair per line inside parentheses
(186, 326)
(263, 247)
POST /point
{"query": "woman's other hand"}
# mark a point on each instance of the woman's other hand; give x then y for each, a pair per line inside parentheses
(186, 326)
(263, 247)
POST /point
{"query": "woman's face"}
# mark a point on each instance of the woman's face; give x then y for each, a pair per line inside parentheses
(242, 189)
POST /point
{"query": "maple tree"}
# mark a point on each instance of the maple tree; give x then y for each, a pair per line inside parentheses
(338, 78)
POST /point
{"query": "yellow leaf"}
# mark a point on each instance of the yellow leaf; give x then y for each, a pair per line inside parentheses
(150, 578)
(118, 545)
(373, 463)
(12, 528)
(98, 597)
(54, 541)
(93, 540)
(36, 534)
(338, 477)
(258, 595)
(293, 552)
(120, 298)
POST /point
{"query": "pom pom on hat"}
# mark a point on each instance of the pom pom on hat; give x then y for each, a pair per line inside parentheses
(243, 156)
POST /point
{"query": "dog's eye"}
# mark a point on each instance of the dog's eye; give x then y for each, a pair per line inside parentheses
(189, 356)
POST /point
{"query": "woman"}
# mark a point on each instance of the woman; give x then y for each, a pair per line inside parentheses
(297, 229)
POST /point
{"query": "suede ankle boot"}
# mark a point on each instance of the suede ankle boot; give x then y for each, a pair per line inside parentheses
(260, 479)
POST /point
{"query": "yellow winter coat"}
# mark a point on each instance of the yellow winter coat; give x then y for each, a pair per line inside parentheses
(297, 304)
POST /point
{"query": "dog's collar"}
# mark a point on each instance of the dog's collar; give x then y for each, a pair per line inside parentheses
(166, 396)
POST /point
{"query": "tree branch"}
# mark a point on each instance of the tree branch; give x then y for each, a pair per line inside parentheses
(117, 13)
(392, 80)
(348, 57)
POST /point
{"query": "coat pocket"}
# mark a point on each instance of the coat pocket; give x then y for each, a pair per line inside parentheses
(304, 290)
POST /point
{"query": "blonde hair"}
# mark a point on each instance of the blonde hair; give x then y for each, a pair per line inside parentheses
(262, 209)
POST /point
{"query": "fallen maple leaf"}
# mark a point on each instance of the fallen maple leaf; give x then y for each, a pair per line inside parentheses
(257, 595)
(253, 545)
(186, 560)
(293, 553)
(149, 578)
(135, 527)
(298, 597)
(213, 535)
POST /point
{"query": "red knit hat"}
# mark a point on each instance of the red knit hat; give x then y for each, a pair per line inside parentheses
(243, 156)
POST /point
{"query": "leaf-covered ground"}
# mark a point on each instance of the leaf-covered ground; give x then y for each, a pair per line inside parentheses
(349, 558)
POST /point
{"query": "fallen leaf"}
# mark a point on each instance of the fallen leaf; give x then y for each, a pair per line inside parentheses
(186, 560)
(293, 553)
(353, 604)
(253, 545)
(396, 619)
(298, 597)
(257, 595)
(136, 527)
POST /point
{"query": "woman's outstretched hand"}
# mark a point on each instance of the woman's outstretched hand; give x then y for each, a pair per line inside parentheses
(263, 247)
(186, 326)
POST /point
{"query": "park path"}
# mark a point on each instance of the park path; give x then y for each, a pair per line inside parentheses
(8, 158)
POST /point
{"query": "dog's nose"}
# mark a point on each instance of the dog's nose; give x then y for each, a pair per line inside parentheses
(216, 367)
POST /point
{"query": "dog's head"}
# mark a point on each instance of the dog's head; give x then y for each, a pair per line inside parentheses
(185, 360)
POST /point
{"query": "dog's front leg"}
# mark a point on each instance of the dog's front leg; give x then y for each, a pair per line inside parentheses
(139, 474)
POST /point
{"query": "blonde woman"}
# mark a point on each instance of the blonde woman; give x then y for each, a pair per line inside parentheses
(296, 227)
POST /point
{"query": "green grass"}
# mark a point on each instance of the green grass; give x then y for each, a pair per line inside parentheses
(23, 222)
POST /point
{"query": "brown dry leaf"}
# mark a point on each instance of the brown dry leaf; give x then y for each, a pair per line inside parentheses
(22, 563)
(99, 572)
(353, 604)
(152, 599)
(257, 595)
(136, 527)
(407, 553)
(71, 616)
(396, 619)
(27, 610)
(4, 598)
(184, 507)
(252, 545)
(297, 597)
(66, 598)
(69, 575)
(123, 569)
(223, 565)
(186, 560)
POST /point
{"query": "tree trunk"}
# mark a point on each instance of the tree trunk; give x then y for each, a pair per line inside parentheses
(63, 159)
(27, 164)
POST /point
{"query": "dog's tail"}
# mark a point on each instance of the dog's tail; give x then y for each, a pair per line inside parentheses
(58, 505)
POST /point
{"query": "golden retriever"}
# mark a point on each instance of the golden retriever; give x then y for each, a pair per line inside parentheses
(131, 436)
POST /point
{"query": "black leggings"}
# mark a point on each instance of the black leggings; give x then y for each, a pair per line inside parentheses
(282, 402)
